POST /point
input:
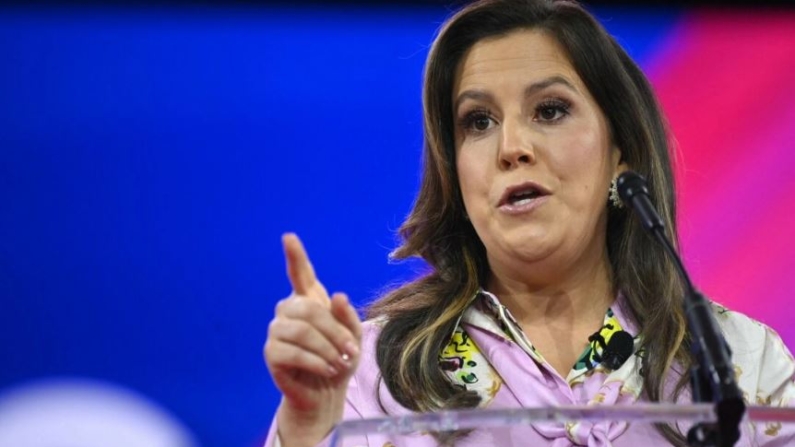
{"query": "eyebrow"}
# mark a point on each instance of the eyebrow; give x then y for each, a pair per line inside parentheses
(528, 91)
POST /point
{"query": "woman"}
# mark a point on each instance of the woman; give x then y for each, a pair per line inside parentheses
(531, 112)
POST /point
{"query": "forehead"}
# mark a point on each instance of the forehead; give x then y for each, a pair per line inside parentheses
(523, 54)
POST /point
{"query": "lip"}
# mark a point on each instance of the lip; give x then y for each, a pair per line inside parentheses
(507, 207)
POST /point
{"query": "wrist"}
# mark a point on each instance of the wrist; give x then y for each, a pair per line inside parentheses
(302, 428)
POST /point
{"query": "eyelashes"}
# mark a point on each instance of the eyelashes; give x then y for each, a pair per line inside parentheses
(481, 119)
(552, 110)
(477, 121)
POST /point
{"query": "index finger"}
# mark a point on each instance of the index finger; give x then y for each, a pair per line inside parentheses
(299, 269)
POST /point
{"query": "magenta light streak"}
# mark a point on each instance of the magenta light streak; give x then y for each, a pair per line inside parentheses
(727, 83)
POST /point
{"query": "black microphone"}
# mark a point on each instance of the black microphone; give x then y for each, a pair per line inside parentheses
(618, 350)
(712, 376)
(634, 193)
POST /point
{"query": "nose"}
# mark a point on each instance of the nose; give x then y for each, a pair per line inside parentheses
(516, 145)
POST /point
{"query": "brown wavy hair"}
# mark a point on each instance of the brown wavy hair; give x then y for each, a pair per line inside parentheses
(421, 315)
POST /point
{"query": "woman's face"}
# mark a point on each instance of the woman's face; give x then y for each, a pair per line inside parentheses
(533, 153)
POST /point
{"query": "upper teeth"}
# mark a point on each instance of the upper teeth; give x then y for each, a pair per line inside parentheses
(523, 196)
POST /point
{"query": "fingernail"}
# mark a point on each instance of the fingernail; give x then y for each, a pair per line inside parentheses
(351, 349)
(332, 371)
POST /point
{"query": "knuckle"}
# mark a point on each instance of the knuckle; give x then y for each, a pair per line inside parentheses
(295, 330)
(293, 356)
(269, 352)
(279, 354)
(281, 305)
(299, 308)
(275, 327)
(341, 336)
(284, 329)
(303, 308)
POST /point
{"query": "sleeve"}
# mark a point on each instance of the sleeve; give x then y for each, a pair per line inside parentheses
(765, 370)
(274, 440)
(775, 388)
(350, 412)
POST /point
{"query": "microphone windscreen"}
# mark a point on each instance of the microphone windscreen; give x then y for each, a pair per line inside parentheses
(629, 184)
(618, 350)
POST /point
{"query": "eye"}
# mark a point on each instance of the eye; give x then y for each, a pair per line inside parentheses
(551, 111)
(481, 123)
(477, 121)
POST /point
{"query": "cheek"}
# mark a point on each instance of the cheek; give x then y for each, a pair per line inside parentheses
(583, 163)
(584, 177)
(472, 175)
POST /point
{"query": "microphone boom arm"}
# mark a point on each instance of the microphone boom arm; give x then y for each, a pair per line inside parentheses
(712, 375)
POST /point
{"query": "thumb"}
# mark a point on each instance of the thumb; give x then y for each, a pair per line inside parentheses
(345, 313)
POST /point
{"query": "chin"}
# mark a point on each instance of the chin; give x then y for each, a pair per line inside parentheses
(523, 249)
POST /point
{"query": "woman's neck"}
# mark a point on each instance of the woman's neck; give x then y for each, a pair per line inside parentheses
(558, 317)
(576, 298)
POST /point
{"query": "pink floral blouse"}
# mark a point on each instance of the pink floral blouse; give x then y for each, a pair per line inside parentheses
(490, 354)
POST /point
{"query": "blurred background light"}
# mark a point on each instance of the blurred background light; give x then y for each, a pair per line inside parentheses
(77, 412)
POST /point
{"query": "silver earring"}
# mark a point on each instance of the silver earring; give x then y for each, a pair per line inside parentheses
(615, 199)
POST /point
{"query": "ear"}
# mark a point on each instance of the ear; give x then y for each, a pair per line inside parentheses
(617, 162)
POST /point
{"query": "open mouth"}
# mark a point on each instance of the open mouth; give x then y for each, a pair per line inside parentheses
(523, 194)
(522, 197)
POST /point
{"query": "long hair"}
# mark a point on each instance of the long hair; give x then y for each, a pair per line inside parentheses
(420, 315)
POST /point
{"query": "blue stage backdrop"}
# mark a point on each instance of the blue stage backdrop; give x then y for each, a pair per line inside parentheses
(151, 159)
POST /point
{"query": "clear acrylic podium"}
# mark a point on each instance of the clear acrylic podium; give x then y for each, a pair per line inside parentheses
(405, 428)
